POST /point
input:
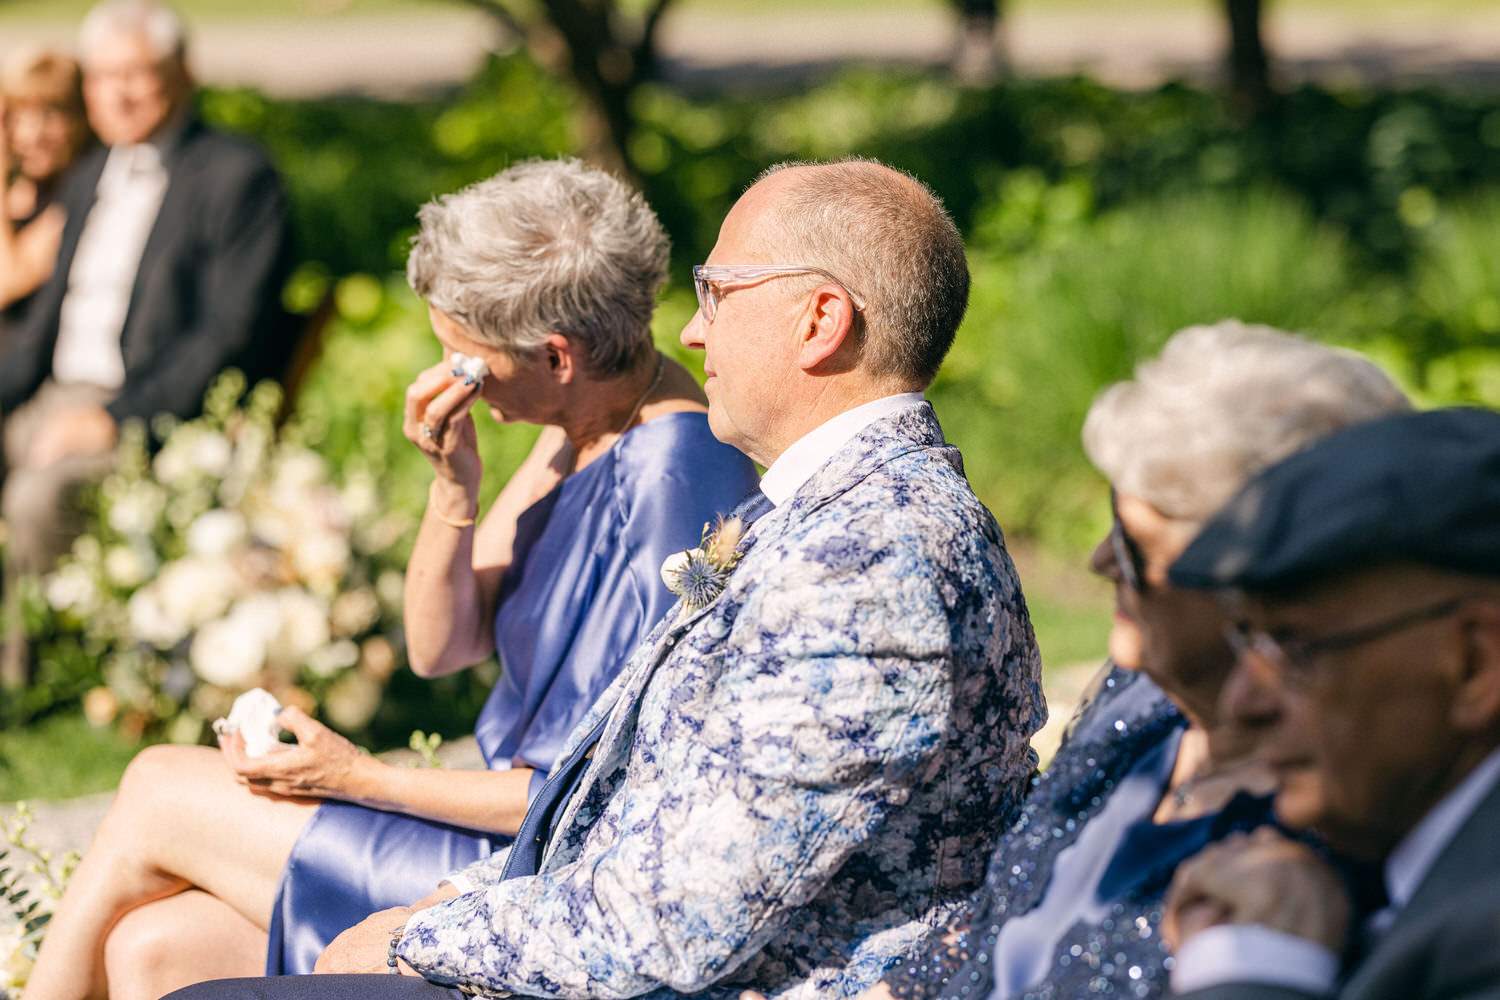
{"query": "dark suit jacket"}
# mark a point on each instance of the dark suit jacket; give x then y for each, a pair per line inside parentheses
(208, 291)
(1445, 945)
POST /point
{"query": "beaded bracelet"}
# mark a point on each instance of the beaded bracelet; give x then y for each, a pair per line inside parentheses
(390, 951)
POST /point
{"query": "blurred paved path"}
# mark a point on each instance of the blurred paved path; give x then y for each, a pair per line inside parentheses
(405, 54)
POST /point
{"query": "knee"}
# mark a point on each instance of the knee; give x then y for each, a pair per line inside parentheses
(136, 951)
(152, 788)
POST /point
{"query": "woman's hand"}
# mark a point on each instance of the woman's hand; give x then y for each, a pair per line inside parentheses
(321, 765)
(438, 421)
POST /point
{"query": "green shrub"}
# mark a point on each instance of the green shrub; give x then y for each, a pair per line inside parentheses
(1053, 320)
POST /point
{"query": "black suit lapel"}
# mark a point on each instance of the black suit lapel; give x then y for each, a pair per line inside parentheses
(170, 219)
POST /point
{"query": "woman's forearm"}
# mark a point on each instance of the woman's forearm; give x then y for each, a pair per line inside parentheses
(28, 256)
(492, 801)
(448, 602)
(453, 578)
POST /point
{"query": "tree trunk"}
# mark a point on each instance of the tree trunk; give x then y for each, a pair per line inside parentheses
(1249, 67)
(980, 54)
(605, 54)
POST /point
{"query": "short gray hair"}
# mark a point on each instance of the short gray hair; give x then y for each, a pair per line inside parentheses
(1219, 404)
(887, 235)
(547, 246)
(159, 24)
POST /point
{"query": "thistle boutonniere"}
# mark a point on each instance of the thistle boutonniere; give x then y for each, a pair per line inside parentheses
(698, 575)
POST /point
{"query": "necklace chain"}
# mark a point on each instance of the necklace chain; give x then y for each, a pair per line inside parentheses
(636, 409)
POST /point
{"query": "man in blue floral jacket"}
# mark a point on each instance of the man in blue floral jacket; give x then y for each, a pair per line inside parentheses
(803, 768)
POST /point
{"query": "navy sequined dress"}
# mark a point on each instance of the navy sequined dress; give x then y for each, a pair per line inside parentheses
(1069, 909)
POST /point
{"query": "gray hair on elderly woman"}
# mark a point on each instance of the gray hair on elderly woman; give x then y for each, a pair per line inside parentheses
(1198, 420)
(547, 246)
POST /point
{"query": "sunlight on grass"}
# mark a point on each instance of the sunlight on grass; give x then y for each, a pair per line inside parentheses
(59, 757)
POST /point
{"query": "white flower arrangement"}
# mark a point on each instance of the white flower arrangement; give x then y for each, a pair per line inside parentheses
(230, 560)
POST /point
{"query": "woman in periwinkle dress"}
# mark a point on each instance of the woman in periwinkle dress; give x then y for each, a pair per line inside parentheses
(1071, 904)
(547, 272)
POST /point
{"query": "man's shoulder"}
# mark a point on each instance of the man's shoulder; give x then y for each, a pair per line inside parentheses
(899, 478)
(204, 147)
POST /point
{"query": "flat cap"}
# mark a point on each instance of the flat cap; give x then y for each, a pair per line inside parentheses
(1423, 487)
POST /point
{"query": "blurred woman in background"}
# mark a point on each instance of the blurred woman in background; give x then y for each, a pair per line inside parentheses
(41, 104)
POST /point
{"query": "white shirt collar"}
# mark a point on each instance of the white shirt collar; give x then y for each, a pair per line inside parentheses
(1418, 851)
(807, 454)
(127, 161)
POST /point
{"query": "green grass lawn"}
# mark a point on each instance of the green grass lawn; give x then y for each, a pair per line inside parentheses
(59, 757)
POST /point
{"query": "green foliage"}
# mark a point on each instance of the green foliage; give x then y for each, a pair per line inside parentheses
(357, 169)
(31, 882)
(1070, 304)
(427, 746)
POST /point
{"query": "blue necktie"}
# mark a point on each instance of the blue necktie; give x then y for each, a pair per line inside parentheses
(541, 816)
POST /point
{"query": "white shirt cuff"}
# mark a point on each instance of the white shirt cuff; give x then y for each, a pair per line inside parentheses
(1250, 953)
(461, 882)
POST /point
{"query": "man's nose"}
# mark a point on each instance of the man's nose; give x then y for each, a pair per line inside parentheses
(1251, 694)
(692, 334)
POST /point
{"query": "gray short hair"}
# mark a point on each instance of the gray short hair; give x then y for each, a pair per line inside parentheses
(547, 246)
(1219, 404)
(887, 235)
(159, 24)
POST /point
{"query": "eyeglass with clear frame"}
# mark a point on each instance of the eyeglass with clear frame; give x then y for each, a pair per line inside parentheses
(1294, 657)
(709, 279)
(1127, 554)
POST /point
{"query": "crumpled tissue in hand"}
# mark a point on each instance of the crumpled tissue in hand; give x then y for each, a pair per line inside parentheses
(254, 716)
(472, 369)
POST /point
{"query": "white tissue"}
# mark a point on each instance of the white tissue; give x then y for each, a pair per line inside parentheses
(472, 369)
(254, 716)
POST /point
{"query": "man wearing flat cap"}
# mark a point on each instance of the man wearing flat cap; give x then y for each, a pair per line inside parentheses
(1363, 582)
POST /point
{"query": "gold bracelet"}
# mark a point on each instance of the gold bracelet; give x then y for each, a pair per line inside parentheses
(451, 522)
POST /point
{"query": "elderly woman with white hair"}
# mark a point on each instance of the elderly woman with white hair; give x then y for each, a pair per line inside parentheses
(1072, 900)
(544, 279)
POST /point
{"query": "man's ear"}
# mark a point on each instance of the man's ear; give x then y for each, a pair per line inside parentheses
(1476, 705)
(829, 339)
(561, 358)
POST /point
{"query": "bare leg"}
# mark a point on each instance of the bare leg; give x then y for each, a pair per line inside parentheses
(180, 821)
(178, 941)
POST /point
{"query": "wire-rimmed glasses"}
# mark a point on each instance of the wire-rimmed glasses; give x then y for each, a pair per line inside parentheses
(1127, 553)
(1294, 657)
(709, 281)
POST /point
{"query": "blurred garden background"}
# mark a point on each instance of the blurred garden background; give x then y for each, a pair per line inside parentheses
(1120, 169)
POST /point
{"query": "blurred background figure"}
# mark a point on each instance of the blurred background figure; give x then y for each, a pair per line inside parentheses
(174, 252)
(41, 104)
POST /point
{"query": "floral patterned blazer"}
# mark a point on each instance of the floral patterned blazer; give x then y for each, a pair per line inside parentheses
(798, 781)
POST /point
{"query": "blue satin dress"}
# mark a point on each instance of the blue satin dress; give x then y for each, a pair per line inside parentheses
(583, 589)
